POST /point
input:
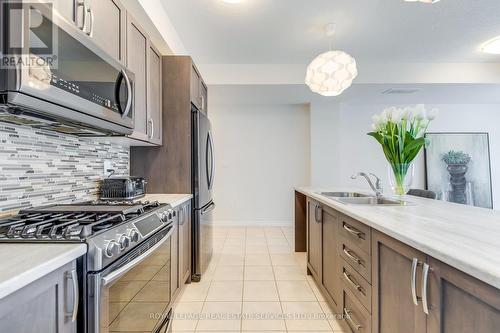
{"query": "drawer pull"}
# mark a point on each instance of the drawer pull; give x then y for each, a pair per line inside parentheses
(353, 231)
(425, 280)
(352, 283)
(352, 256)
(347, 314)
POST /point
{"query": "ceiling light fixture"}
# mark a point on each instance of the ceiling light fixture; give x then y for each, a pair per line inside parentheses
(232, 1)
(424, 1)
(492, 46)
(332, 72)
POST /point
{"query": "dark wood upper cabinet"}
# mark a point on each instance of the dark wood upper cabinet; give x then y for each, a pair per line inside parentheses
(394, 310)
(137, 58)
(330, 255)
(107, 27)
(460, 303)
(314, 239)
(199, 91)
(154, 113)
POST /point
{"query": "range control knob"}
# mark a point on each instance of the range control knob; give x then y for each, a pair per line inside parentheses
(133, 235)
(124, 242)
(112, 248)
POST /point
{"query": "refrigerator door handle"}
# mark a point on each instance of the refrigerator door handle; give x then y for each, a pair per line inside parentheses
(212, 158)
(208, 209)
(207, 166)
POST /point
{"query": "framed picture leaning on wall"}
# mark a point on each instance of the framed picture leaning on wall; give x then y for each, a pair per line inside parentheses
(458, 169)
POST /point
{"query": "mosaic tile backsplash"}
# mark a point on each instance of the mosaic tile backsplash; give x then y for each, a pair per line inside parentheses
(39, 167)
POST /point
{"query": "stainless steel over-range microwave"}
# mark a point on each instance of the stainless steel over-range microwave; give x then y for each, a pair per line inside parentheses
(53, 75)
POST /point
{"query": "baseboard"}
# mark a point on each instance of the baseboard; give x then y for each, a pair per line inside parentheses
(254, 223)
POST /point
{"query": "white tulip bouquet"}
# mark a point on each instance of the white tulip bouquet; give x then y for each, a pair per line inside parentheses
(400, 132)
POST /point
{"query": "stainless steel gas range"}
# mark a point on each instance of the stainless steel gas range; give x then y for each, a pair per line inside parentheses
(125, 277)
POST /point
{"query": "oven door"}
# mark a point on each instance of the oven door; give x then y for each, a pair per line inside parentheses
(70, 71)
(133, 294)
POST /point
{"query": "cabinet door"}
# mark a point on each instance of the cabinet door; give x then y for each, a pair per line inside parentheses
(393, 306)
(460, 303)
(174, 283)
(42, 306)
(330, 255)
(68, 9)
(137, 55)
(185, 244)
(195, 88)
(203, 97)
(314, 237)
(154, 96)
(106, 26)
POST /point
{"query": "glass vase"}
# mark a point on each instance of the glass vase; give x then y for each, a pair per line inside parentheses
(400, 177)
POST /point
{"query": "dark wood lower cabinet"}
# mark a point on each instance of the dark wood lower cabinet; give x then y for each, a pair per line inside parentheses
(459, 303)
(314, 240)
(382, 285)
(330, 256)
(393, 308)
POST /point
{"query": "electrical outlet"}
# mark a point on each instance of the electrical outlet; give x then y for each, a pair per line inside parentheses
(107, 166)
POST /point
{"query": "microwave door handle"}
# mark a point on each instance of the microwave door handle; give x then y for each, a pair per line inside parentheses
(129, 94)
(115, 275)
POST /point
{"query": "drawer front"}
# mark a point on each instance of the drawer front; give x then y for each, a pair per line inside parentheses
(355, 315)
(358, 233)
(358, 285)
(358, 259)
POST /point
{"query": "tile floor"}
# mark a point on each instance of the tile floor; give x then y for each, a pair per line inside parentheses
(255, 283)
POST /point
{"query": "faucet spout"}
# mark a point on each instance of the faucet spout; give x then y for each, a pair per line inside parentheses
(377, 187)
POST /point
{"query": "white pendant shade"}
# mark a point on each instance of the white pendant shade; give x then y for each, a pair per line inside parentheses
(330, 73)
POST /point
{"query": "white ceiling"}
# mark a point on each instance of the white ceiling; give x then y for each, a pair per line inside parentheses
(290, 31)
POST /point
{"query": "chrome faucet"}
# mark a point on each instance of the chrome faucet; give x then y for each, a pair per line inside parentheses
(377, 188)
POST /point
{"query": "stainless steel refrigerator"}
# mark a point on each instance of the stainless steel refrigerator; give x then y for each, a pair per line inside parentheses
(203, 169)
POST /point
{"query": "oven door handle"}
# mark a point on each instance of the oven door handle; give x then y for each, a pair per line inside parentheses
(113, 276)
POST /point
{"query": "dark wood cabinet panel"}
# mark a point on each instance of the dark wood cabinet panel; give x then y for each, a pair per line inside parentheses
(195, 88)
(356, 316)
(393, 308)
(108, 27)
(314, 240)
(330, 255)
(137, 58)
(41, 306)
(459, 303)
(154, 96)
(185, 228)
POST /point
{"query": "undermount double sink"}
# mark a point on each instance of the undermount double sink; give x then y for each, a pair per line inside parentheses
(354, 198)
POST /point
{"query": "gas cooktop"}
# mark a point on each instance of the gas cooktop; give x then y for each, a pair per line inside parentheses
(71, 222)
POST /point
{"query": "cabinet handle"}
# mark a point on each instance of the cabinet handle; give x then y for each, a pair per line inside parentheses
(354, 284)
(352, 256)
(90, 33)
(181, 216)
(347, 314)
(76, 294)
(353, 231)
(425, 280)
(152, 133)
(413, 281)
(83, 4)
(319, 210)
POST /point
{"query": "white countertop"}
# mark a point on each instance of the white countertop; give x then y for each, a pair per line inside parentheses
(173, 200)
(464, 237)
(22, 264)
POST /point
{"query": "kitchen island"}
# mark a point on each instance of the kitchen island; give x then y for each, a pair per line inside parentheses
(428, 266)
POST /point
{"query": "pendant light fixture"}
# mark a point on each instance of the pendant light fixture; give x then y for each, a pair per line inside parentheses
(332, 72)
